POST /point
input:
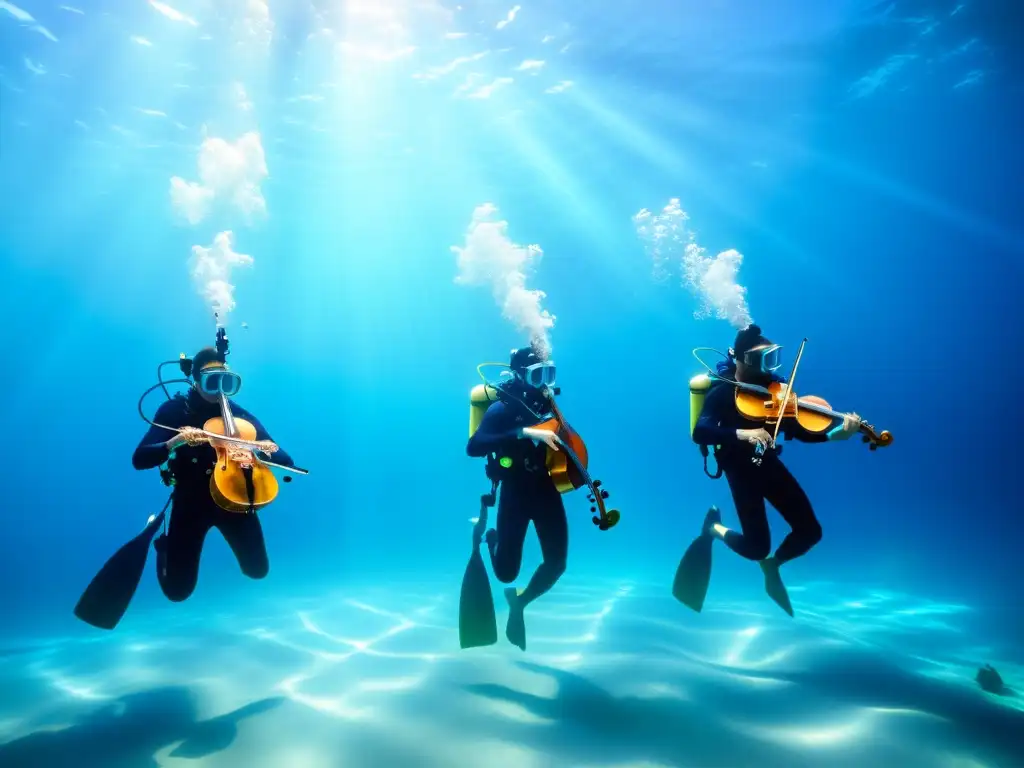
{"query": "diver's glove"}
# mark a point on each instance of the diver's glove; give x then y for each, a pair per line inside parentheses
(846, 430)
(759, 438)
(546, 436)
(193, 436)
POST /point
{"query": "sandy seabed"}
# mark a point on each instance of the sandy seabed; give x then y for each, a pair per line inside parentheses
(616, 675)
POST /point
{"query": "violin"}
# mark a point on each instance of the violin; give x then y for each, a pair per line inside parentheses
(240, 482)
(777, 401)
(568, 468)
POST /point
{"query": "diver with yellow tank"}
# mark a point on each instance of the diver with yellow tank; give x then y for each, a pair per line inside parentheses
(502, 429)
(747, 455)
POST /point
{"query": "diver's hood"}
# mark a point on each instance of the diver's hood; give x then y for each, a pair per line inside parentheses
(521, 358)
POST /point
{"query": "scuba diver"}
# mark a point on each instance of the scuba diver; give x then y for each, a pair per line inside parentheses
(178, 438)
(502, 429)
(748, 456)
(191, 458)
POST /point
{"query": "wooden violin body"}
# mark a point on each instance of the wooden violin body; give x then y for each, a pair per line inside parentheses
(240, 482)
(565, 473)
(771, 405)
(568, 468)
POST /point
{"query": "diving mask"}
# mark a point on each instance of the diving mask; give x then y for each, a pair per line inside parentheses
(216, 381)
(539, 375)
(766, 359)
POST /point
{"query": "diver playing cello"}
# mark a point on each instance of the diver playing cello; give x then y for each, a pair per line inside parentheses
(535, 457)
(211, 448)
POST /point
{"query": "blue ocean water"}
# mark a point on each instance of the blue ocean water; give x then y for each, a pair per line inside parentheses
(376, 197)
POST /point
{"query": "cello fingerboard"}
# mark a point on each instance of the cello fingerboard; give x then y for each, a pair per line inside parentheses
(575, 460)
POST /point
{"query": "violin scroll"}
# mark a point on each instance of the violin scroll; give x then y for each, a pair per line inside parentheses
(606, 518)
(875, 439)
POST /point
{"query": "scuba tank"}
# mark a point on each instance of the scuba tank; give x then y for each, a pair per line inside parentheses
(700, 386)
(480, 398)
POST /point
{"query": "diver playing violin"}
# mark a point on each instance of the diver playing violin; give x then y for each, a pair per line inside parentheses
(748, 456)
(191, 460)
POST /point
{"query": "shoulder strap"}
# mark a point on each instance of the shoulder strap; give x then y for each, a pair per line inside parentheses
(715, 382)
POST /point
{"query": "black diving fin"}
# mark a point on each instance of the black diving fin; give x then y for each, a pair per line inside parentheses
(106, 599)
(478, 625)
(693, 575)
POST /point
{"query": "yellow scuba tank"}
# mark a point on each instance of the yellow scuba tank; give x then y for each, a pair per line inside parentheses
(480, 398)
(700, 385)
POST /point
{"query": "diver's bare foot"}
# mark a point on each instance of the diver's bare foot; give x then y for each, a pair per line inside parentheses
(515, 629)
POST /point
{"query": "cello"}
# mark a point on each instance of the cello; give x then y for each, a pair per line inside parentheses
(240, 482)
(568, 467)
(234, 441)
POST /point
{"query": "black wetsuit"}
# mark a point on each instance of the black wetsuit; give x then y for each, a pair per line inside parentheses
(752, 485)
(527, 493)
(193, 511)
